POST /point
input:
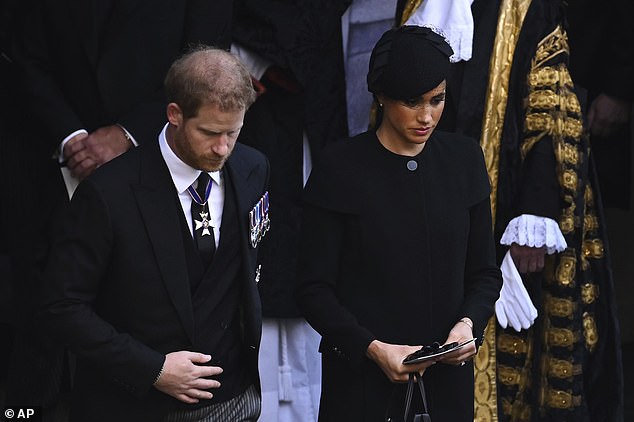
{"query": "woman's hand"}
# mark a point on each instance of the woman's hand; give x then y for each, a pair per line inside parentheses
(460, 333)
(389, 357)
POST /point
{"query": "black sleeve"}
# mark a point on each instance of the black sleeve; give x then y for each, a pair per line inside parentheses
(483, 279)
(78, 262)
(539, 191)
(319, 262)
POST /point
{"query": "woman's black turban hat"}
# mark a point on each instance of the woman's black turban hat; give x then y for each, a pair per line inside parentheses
(407, 62)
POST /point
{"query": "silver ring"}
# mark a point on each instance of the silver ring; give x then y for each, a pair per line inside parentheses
(462, 363)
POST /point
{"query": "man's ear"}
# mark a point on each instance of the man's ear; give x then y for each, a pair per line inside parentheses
(174, 114)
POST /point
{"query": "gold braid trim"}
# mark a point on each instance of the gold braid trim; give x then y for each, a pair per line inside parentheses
(510, 20)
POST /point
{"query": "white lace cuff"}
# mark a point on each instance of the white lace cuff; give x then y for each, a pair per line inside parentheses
(534, 231)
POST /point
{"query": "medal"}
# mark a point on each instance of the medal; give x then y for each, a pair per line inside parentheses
(205, 221)
(259, 221)
(205, 224)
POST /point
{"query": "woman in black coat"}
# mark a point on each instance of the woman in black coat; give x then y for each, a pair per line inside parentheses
(397, 248)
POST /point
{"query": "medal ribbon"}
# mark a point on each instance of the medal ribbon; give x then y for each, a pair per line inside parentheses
(196, 197)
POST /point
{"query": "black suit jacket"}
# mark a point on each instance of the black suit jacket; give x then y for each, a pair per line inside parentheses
(118, 291)
(80, 64)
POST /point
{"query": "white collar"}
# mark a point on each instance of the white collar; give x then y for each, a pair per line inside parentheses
(182, 174)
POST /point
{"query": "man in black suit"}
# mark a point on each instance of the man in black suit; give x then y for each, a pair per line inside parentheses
(91, 73)
(158, 299)
(602, 62)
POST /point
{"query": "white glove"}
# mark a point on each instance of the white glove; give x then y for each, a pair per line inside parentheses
(514, 307)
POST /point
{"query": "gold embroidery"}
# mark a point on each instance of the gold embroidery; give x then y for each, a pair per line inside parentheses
(567, 224)
(564, 76)
(573, 128)
(572, 104)
(508, 375)
(569, 180)
(560, 399)
(559, 307)
(485, 377)
(568, 154)
(528, 144)
(518, 411)
(545, 99)
(588, 196)
(561, 337)
(539, 122)
(563, 369)
(512, 344)
(543, 77)
(593, 249)
(589, 293)
(590, 223)
(590, 331)
(566, 270)
(552, 45)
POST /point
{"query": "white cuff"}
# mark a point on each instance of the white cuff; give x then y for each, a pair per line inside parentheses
(128, 135)
(531, 230)
(256, 64)
(60, 151)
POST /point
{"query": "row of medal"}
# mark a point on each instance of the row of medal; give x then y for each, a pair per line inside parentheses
(259, 220)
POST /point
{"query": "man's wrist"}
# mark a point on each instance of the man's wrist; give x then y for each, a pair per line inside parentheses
(158, 376)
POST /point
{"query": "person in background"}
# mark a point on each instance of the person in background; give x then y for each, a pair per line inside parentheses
(293, 50)
(602, 62)
(397, 249)
(555, 351)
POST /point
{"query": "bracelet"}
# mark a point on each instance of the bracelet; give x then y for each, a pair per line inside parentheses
(159, 375)
(466, 321)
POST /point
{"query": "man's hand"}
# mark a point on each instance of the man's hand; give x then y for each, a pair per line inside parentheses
(528, 259)
(460, 332)
(389, 358)
(184, 379)
(84, 153)
(608, 114)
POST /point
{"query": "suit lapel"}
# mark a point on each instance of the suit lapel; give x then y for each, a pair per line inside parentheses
(157, 200)
(247, 192)
(239, 172)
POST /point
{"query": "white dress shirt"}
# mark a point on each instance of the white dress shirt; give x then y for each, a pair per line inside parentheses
(184, 176)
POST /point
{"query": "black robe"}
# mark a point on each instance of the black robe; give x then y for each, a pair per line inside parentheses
(395, 255)
(546, 379)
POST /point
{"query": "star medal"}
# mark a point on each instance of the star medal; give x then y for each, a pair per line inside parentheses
(205, 224)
